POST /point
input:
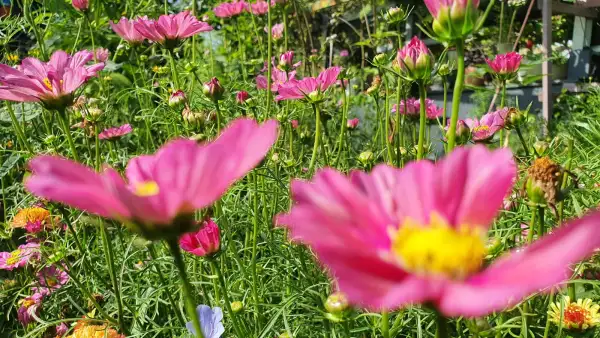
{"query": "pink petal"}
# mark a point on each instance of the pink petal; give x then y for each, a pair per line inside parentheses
(541, 265)
(328, 77)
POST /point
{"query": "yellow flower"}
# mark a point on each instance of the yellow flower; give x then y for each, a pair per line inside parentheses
(84, 330)
(28, 217)
(12, 57)
(579, 315)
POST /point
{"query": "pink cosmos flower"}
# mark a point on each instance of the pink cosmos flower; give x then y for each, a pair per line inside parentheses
(101, 54)
(259, 8)
(162, 191)
(115, 133)
(30, 308)
(126, 30)
(20, 257)
(231, 9)
(278, 79)
(344, 53)
(395, 237)
(168, 30)
(484, 129)
(204, 242)
(276, 31)
(52, 278)
(53, 83)
(242, 96)
(353, 123)
(294, 123)
(309, 87)
(505, 64)
(413, 108)
(80, 5)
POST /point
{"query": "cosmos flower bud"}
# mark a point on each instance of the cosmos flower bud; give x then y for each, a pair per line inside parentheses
(366, 157)
(177, 98)
(286, 60)
(444, 70)
(453, 19)
(237, 306)
(336, 303)
(81, 5)
(353, 123)
(414, 60)
(213, 90)
(380, 60)
(540, 147)
(395, 15)
(242, 96)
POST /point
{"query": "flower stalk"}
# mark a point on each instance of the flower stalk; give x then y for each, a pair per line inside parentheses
(456, 96)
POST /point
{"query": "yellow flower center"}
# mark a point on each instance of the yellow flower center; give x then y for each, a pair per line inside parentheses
(15, 256)
(28, 302)
(146, 189)
(481, 128)
(48, 83)
(439, 249)
(51, 281)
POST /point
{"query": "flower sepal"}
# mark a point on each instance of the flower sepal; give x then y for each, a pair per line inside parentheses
(182, 224)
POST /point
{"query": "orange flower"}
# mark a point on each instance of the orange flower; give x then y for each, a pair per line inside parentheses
(85, 330)
(33, 219)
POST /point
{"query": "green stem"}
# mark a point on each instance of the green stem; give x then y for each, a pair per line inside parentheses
(445, 82)
(109, 256)
(385, 324)
(218, 111)
(269, 56)
(551, 300)
(502, 104)
(174, 70)
(442, 327)
(189, 299)
(20, 134)
(255, 250)
(258, 37)
(161, 277)
(456, 96)
(520, 135)
(541, 223)
(565, 179)
(398, 131)
(234, 320)
(387, 143)
(313, 158)
(97, 150)
(501, 21)
(510, 26)
(36, 31)
(285, 29)
(344, 125)
(422, 120)
(64, 122)
(532, 224)
(242, 47)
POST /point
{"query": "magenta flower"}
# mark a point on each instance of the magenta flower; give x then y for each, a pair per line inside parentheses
(353, 123)
(483, 130)
(278, 79)
(204, 242)
(413, 108)
(395, 237)
(344, 53)
(242, 96)
(29, 308)
(294, 124)
(309, 88)
(80, 5)
(101, 54)
(414, 60)
(162, 191)
(126, 30)
(453, 19)
(505, 64)
(52, 278)
(286, 60)
(276, 31)
(20, 257)
(231, 9)
(53, 83)
(170, 29)
(115, 133)
(260, 7)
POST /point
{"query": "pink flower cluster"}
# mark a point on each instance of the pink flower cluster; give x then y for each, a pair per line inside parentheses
(412, 107)
(53, 83)
(280, 73)
(50, 279)
(231, 9)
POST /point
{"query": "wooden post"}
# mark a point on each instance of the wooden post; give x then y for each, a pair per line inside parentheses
(547, 64)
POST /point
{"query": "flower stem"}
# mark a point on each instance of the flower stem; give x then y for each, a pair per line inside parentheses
(344, 125)
(398, 131)
(387, 143)
(422, 120)
(269, 56)
(64, 123)
(445, 82)
(442, 326)
(525, 147)
(36, 31)
(456, 96)
(311, 166)
(174, 70)
(20, 134)
(532, 224)
(187, 288)
(109, 256)
(385, 324)
(234, 321)
(161, 277)
(255, 250)
(218, 111)
(502, 103)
